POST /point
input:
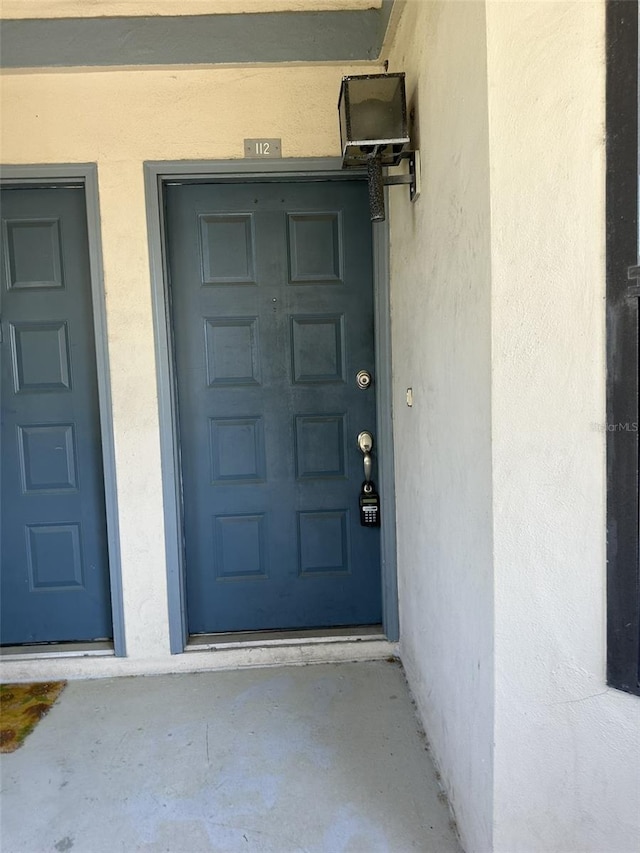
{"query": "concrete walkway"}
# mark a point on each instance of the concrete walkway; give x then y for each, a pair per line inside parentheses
(322, 759)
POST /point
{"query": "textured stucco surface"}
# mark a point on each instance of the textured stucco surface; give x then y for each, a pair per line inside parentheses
(440, 291)
(119, 119)
(567, 754)
(558, 752)
(109, 8)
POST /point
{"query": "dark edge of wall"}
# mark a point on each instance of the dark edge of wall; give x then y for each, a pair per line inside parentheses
(342, 36)
(623, 601)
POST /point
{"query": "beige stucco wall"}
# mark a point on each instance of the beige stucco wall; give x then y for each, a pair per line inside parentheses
(120, 119)
(440, 293)
(107, 8)
(498, 286)
(567, 756)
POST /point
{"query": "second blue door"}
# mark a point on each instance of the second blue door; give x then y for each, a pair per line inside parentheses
(272, 317)
(54, 572)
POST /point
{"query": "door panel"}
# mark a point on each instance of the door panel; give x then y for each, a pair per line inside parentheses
(272, 314)
(54, 572)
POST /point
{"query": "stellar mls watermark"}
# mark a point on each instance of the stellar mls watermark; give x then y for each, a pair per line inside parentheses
(627, 426)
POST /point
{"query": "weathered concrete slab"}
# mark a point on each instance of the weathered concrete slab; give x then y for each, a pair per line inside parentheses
(322, 759)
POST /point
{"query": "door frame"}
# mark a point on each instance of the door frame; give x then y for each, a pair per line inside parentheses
(86, 176)
(156, 175)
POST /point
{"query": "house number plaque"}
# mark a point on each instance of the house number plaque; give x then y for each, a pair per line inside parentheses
(263, 148)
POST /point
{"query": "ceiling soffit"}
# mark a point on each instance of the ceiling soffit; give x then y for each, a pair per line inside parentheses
(343, 35)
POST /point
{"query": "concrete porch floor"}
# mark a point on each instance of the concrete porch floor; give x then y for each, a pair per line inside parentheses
(323, 759)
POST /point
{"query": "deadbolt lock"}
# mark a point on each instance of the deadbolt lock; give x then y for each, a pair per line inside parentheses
(363, 378)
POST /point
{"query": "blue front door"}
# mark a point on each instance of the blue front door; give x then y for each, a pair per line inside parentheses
(272, 317)
(54, 570)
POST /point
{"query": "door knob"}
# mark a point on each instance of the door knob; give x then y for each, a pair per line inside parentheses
(365, 443)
